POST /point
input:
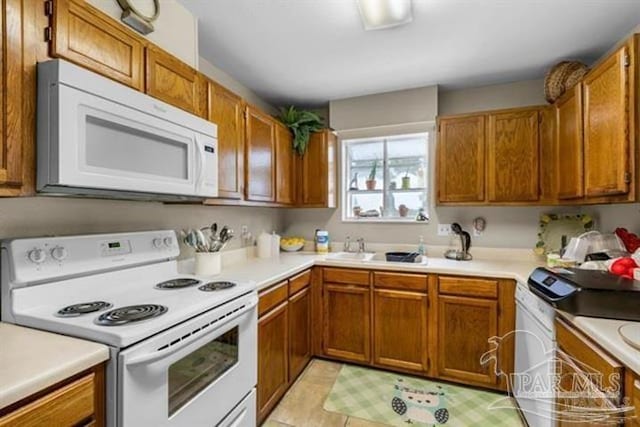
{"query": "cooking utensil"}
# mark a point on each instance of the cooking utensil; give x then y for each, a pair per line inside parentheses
(201, 241)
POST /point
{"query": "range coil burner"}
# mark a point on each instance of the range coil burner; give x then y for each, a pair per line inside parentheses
(177, 283)
(130, 314)
(216, 286)
(83, 308)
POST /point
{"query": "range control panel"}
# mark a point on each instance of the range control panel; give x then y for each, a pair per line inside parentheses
(40, 259)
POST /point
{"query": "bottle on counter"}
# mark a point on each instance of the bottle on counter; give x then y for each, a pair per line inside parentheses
(422, 249)
(322, 241)
(264, 245)
(275, 244)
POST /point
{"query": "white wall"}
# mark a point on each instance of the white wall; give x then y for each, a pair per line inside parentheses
(515, 227)
(176, 29)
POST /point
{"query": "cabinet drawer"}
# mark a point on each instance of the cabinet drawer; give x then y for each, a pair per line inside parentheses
(468, 287)
(301, 281)
(347, 276)
(67, 406)
(272, 297)
(413, 282)
(591, 357)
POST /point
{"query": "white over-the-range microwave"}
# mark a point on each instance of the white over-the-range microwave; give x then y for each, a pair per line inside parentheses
(98, 138)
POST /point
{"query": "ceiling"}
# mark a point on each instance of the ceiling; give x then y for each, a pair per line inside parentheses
(308, 52)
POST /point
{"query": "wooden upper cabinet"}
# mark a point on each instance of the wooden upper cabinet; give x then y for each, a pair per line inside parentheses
(285, 166)
(259, 156)
(88, 37)
(464, 328)
(174, 82)
(512, 156)
(318, 171)
(548, 155)
(461, 159)
(226, 110)
(607, 126)
(12, 120)
(569, 140)
(400, 329)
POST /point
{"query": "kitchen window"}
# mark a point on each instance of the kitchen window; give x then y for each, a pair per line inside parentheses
(385, 179)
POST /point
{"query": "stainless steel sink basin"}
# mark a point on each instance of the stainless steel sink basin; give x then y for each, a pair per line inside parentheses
(381, 257)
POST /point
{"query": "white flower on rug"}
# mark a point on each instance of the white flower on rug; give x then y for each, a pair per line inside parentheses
(420, 406)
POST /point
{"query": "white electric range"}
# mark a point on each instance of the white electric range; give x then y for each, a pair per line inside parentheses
(183, 348)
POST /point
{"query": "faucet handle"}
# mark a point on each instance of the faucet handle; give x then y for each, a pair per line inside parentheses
(361, 246)
(347, 244)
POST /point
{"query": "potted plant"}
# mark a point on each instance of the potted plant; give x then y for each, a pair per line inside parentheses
(406, 181)
(302, 124)
(371, 181)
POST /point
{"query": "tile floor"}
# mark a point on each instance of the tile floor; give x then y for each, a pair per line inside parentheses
(302, 405)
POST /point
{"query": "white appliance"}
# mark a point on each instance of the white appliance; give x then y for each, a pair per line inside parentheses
(534, 358)
(100, 138)
(183, 348)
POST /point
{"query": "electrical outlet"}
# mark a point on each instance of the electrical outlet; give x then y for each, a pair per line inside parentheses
(444, 229)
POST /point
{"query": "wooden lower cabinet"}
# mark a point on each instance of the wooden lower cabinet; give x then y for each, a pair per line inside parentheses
(464, 327)
(347, 322)
(273, 358)
(79, 401)
(299, 332)
(632, 391)
(400, 329)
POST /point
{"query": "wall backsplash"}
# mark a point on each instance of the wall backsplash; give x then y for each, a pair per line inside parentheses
(40, 216)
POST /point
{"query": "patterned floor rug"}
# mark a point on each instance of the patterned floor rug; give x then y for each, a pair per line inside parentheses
(401, 401)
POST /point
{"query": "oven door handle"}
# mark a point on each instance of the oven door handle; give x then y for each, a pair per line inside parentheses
(149, 358)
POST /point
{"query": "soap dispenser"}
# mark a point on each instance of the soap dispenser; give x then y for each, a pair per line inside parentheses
(422, 250)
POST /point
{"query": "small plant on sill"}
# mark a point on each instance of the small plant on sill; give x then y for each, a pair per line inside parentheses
(371, 182)
(302, 124)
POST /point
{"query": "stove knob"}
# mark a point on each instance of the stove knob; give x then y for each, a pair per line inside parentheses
(37, 255)
(59, 253)
(157, 243)
(168, 241)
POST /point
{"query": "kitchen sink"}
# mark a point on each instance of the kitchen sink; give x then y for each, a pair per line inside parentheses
(382, 257)
(351, 256)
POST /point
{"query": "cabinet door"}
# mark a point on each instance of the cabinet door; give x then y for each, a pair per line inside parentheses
(464, 328)
(285, 166)
(259, 156)
(299, 332)
(273, 358)
(347, 328)
(632, 391)
(606, 127)
(461, 152)
(548, 155)
(83, 35)
(512, 156)
(174, 82)
(11, 94)
(226, 110)
(318, 171)
(400, 329)
(570, 148)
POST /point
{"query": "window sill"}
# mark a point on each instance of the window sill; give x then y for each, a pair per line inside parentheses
(409, 221)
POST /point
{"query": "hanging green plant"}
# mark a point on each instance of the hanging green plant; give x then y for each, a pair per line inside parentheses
(302, 124)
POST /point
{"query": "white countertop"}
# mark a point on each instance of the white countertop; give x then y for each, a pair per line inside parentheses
(267, 272)
(604, 332)
(32, 360)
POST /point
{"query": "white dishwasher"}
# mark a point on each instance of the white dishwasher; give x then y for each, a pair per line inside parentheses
(534, 359)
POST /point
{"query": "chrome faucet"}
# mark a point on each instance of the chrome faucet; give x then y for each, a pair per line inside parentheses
(347, 244)
(361, 246)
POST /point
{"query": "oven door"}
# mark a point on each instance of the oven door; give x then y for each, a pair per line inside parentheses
(193, 374)
(104, 145)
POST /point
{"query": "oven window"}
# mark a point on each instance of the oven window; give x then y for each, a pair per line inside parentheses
(114, 146)
(193, 373)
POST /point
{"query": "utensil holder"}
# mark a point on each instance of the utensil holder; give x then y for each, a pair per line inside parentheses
(208, 263)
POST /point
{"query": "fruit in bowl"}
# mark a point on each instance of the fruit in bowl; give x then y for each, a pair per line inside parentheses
(291, 244)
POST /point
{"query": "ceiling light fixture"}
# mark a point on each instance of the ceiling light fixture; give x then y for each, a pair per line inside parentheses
(381, 14)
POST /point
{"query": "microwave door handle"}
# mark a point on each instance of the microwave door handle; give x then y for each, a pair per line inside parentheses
(149, 358)
(200, 172)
